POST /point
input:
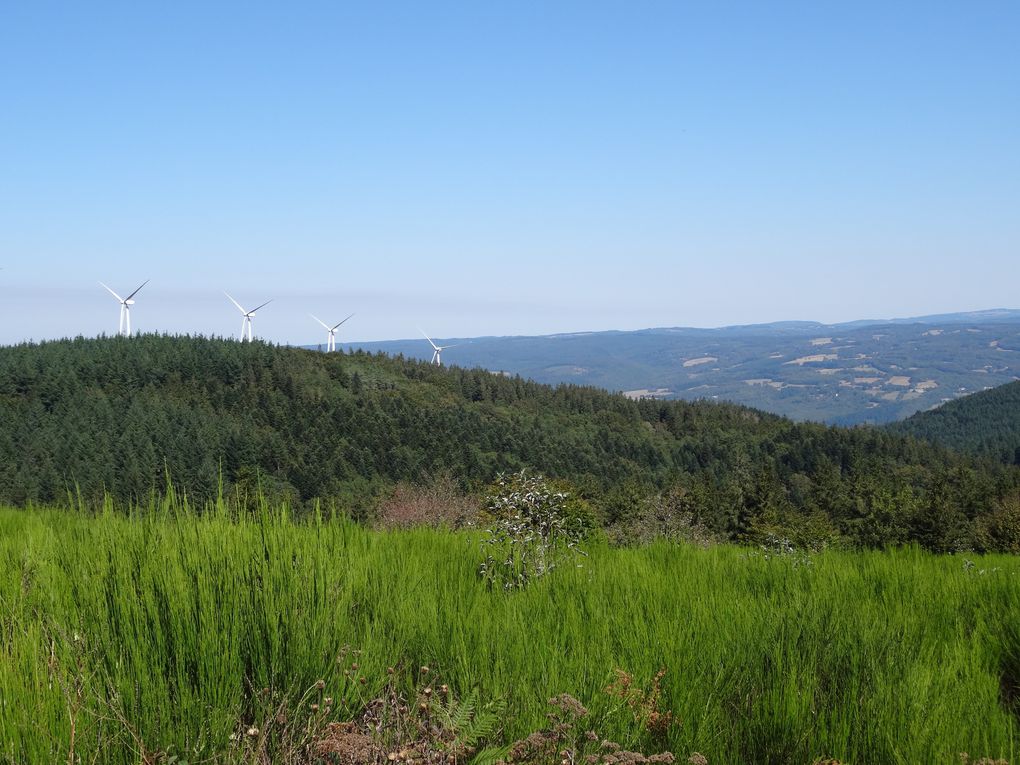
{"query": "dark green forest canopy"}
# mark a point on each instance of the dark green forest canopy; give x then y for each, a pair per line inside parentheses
(116, 415)
(986, 424)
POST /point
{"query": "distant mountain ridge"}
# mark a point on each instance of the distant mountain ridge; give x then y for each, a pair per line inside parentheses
(864, 371)
(991, 315)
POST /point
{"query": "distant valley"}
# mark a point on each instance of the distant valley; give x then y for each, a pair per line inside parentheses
(869, 371)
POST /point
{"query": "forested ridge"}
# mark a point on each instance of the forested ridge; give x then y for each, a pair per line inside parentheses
(117, 415)
(986, 424)
(841, 374)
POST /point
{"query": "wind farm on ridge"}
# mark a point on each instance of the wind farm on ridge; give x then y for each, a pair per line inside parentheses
(247, 322)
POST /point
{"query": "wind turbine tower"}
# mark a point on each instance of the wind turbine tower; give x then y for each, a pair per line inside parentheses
(331, 337)
(124, 328)
(246, 318)
(437, 350)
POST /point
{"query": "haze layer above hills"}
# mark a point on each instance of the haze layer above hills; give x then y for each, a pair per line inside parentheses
(863, 371)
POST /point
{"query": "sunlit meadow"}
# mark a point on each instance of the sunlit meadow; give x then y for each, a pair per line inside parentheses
(166, 635)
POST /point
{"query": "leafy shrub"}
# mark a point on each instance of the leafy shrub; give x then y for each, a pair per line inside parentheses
(531, 532)
(671, 515)
(1000, 530)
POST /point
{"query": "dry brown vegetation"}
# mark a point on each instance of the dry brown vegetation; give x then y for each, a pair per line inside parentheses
(438, 504)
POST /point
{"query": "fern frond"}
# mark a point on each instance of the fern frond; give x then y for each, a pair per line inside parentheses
(468, 722)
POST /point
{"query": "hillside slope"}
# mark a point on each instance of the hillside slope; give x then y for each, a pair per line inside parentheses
(859, 372)
(985, 424)
(115, 415)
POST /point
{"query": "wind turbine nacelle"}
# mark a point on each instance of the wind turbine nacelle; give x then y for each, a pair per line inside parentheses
(129, 302)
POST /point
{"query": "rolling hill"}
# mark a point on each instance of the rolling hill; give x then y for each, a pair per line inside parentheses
(116, 415)
(985, 424)
(852, 373)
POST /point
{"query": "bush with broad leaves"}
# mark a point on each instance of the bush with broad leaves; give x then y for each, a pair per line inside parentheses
(532, 531)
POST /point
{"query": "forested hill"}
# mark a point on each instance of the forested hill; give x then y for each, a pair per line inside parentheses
(985, 424)
(843, 374)
(116, 414)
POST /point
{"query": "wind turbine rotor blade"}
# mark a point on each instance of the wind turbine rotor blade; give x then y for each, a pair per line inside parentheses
(324, 324)
(335, 327)
(434, 346)
(111, 292)
(253, 310)
(137, 290)
(239, 308)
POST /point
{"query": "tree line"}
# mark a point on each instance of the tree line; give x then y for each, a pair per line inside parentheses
(116, 416)
(986, 424)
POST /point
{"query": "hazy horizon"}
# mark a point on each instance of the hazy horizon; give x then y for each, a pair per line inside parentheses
(505, 170)
(160, 311)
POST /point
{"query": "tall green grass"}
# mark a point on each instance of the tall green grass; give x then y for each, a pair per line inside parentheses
(161, 628)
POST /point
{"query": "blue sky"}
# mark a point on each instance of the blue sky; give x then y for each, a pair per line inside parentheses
(505, 168)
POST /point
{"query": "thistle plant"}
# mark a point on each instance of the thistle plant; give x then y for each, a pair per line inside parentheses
(531, 532)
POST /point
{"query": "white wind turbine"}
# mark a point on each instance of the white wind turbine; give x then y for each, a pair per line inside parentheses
(437, 350)
(331, 337)
(246, 320)
(124, 328)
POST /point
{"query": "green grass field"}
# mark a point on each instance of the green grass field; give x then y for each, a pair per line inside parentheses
(144, 638)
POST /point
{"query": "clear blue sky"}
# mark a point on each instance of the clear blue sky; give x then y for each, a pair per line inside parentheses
(505, 167)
